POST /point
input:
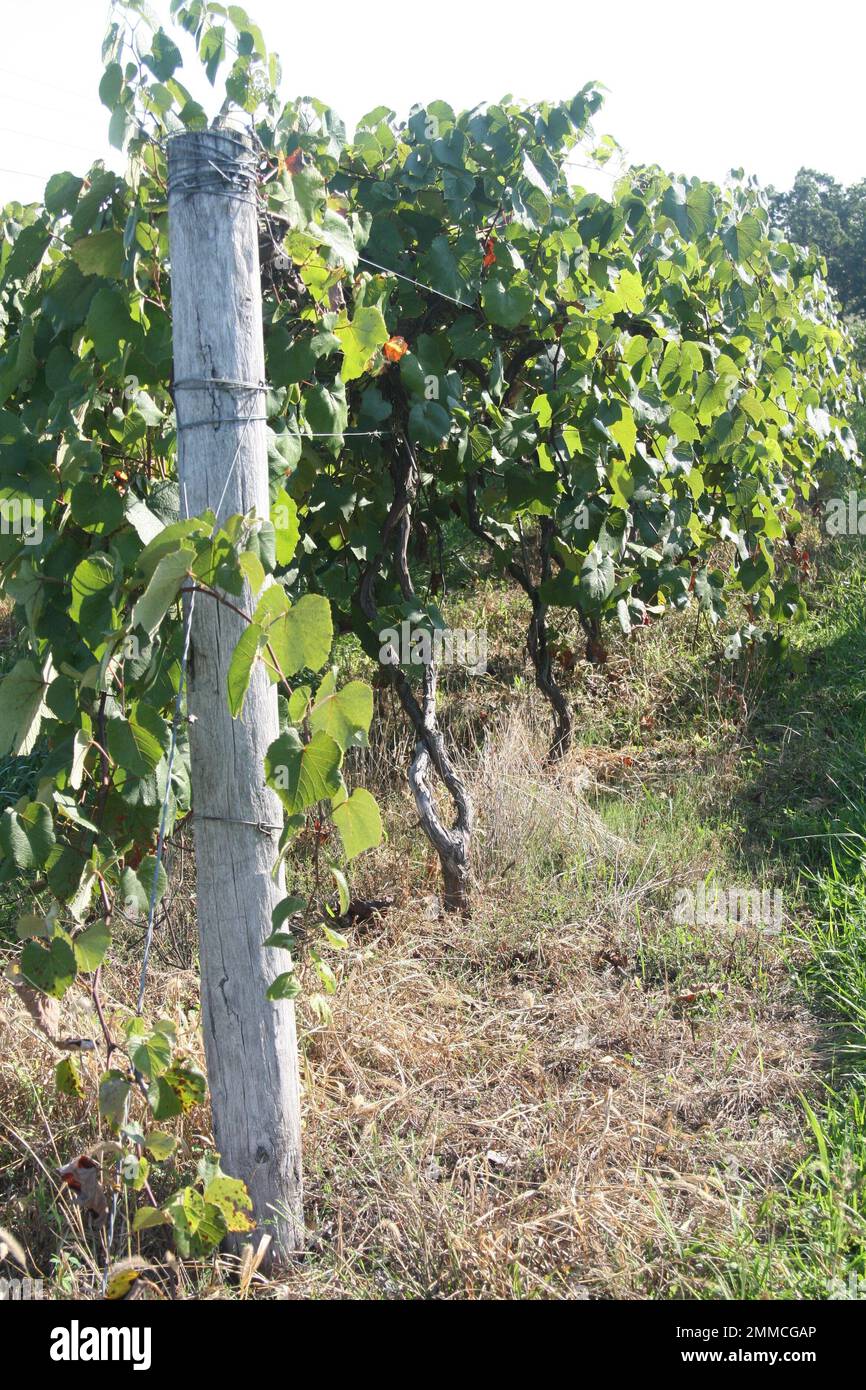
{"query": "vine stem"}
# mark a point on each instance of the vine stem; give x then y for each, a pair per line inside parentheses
(227, 603)
(104, 789)
(451, 845)
(110, 1044)
(536, 638)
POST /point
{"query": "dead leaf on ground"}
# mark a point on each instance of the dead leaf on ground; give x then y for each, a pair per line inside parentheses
(691, 996)
(81, 1176)
(11, 1249)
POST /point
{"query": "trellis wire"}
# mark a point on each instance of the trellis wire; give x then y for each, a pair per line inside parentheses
(462, 303)
(160, 843)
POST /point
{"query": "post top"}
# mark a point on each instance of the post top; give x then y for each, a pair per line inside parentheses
(214, 161)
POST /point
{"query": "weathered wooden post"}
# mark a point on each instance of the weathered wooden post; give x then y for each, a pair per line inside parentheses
(250, 1043)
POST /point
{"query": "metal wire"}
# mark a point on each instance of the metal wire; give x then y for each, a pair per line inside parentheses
(45, 139)
(109, 1235)
(421, 286)
(25, 174)
(315, 434)
(259, 825)
(227, 175)
(204, 383)
(163, 819)
(217, 420)
(220, 383)
(234, 462)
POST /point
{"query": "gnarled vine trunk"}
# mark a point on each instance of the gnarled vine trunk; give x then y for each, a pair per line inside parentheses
(451, 843)
(539, 654)
(537, 644)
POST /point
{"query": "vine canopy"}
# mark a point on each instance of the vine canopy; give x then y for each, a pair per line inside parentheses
(656, 379)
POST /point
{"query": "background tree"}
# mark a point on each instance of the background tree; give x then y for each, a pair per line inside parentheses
(820, 212)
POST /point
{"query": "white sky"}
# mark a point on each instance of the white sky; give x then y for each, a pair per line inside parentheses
(769, 85)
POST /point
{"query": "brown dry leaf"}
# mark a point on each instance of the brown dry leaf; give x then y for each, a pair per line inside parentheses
(250, 1262)
(618, 959)
(691, 996)
(81, 1176)
(701, 991)
(392, 1230)
(10, 1248)
(107, 1148)
(44, 1011)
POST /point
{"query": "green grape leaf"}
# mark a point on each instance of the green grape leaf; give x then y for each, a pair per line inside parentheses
(100, 253)
(506, 305)
(114, 1089)
(165, 584)
(285, 908)
(359, 822)
(300, 636)
(691, 209)
(743, 238)
(284, 518)
(146, 1217)
(302, 774)
(27, 836)
(360, 340)
(233, 1200)
(164, 56)
(152, 1055)
(49, 966)
(199, 1226)
(91, 945)
(91, 606)
(96, 509)
(67, 1078)
(597, 576)
(240, 670)
(285, 986)
(345, 714)
(138, 744)
(22, 706)
(175, 1091)
(429, 424)
(159, 1144)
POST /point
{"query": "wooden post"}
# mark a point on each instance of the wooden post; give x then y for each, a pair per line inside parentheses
(250, 1043)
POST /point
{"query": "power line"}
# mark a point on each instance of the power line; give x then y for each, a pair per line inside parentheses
(40, 82)
(38, 105)
(596, 169)
(26, 174)
(43, 139)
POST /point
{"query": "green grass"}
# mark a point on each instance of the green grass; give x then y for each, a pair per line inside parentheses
(803, 804)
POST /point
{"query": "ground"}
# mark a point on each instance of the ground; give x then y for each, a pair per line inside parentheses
(569, 1095)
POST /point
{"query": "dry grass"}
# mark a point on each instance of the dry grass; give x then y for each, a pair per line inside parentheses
(7, 626)
(527, 1104)
(533, 1125)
